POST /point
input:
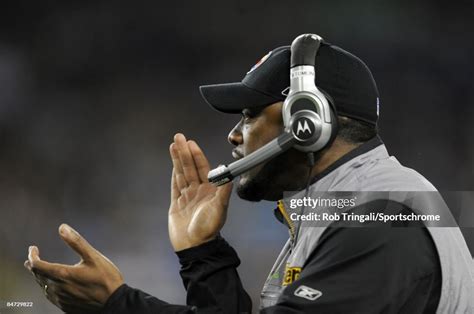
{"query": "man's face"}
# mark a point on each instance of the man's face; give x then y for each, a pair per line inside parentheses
(268, 181)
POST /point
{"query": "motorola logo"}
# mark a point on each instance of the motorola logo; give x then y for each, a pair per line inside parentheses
(303, 128)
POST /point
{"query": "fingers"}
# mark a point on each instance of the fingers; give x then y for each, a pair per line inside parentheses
(53, 290)
(50, 292)
(200, 161)
(223, 194)
(65, 296)
(49, 270)
(77, 242)
(41, 280)
(189, 162)
(179, 178)
(175, 191)
(186, 159)
(27, 265)
(56, 271)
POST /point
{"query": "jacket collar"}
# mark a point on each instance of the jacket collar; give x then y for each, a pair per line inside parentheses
(360, 150)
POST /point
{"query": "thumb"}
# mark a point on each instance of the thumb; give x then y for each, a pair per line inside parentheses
(223, 194)
(77, 242)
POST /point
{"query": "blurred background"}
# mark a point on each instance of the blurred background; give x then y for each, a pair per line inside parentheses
(91, 93)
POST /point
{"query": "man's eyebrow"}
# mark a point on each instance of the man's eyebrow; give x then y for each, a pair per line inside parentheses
(252, 111)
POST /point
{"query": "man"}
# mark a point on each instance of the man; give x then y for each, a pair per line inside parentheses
(327, 267)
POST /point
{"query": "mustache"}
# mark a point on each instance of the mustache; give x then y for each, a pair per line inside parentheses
(237, 154)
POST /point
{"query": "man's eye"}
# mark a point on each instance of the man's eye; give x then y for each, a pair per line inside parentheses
(246, 116)
(249, 114)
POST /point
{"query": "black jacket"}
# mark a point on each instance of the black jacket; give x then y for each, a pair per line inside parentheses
(209, 273)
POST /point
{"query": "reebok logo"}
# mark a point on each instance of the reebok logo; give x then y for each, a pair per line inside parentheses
(308, 293)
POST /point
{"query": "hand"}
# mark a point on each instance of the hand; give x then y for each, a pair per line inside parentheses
(80, 288)
(198, 209)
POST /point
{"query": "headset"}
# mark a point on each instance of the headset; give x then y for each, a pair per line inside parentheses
(309, 115)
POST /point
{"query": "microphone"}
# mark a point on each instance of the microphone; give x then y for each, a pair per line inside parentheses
(226, 173)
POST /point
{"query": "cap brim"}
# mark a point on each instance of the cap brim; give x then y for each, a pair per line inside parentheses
(234, 97)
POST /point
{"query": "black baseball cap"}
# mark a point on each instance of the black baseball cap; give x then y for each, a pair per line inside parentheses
(339, 74)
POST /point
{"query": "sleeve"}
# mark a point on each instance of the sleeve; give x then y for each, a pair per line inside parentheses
(127, 300)
(210, 277)
(367, 270)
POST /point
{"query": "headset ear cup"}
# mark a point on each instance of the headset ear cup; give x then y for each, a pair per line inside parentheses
(334, 118)
(304, 97)
(334, 126)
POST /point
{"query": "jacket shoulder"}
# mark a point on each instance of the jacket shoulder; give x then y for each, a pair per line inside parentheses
(389, 175)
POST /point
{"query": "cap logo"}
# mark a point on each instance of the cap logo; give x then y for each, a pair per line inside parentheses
(262, 60)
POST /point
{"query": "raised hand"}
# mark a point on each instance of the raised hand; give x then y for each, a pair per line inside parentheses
(198, 209)
(80, 288)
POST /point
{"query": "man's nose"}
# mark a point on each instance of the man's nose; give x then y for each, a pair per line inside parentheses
(235, 136)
